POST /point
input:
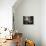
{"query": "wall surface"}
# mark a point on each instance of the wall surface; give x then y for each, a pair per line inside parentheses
(43, 22)
(29, 8)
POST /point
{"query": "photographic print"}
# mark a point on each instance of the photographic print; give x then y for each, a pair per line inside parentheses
(28, 20)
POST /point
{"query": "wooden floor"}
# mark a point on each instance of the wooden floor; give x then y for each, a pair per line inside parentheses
(9, 43)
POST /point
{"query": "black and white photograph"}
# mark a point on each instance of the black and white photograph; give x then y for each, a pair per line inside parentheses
(28, 20)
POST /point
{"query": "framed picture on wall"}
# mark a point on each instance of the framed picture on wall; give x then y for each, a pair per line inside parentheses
(28, 19)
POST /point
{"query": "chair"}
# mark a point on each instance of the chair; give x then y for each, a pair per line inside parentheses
(29, 43)
(18, 39)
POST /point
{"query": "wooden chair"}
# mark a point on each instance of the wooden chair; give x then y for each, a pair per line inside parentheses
(29, 43)
(18, 39)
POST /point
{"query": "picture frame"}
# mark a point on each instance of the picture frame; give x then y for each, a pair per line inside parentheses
(28, 20)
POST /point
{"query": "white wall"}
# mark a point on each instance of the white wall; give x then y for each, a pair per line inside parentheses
(43, 22)
(29, 8)
(6, 13)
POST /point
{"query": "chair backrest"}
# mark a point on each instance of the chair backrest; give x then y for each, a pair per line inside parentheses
(29, 43)
(18, 37)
